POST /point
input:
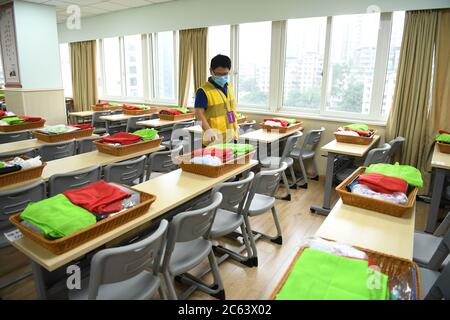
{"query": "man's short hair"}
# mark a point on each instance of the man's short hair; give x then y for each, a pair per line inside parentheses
(220, 61)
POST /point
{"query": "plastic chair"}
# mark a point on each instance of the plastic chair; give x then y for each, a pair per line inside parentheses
(120, 273)
(86, 145)
(58, 150)
(247, 127)
(126, 172)
(59, 183)
(175, 137)
(162, 162)
(31, 153)
(132, 122)
(14, 137)
(98, 124)
(187, 246)
(396, 145)
(308, 151)
(435, 285)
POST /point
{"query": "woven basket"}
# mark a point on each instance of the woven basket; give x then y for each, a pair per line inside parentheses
(105, 108)
(171, 117)
(127, 149)
(21, 175)
(213, 171)
(444, 147)
(360, 201)
(389, 265)
(140, 112)
(353, 139)
(23, 126)
(242, 120)
(65, 244)
(291, 128)
(51, 138)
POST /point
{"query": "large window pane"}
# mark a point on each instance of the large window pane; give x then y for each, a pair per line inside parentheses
(352, 62)
(304, 61)
(64, 52)
(165, 67)
(111, 54)
(254, 63)
(133, 66)
(394, 54)
(218, 41)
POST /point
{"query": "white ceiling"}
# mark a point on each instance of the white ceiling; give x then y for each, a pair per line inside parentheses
(95, 7)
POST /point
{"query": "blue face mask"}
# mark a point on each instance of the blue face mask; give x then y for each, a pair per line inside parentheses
(221, 80)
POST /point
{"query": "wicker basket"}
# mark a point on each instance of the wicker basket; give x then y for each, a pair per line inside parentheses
(105, 108)
(353, 139)
(51, 138)
(127, 149)
(242, 120)
(213, 171)
(23, 126)
(389, 265)
(140, 112)
(171, 117)
(65, 244)
(291, 128)
(360, 201)
(21, 175)
(444, 147)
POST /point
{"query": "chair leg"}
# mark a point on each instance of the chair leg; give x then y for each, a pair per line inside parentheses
(162, 292)
(316, 171)
(278, 237)
(294, 178)
(305, 175)
(287, 197)
(217, 278)
(169, 283)
(251, 238)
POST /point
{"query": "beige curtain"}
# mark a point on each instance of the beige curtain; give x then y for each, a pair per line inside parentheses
(410, 109)
(192, 54)
(84, 77)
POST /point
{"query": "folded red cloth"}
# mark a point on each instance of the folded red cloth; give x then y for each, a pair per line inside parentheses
(170, 111)
(444, 131)
(123, 138)
(103, 104)
(283, 122)
(128, 107)
(383, 184)
(2, 113)
(30, 119)
(225, 154)
(82, 126)
(98, 197)
(361, 133)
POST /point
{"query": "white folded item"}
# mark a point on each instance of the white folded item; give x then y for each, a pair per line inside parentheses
(208, 160)
(272, 123)
(3, 123)
(26, 164)
(348, 133)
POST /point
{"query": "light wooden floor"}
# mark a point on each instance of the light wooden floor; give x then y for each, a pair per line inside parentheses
(240, 282)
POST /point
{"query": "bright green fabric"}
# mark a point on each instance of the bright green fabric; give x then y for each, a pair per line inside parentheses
(239, 149)
(57, 217)
(13, 120)
(141, 106)
(113, 104)
(319, 275)
(408, 173)
(444, 138)
(357, 126)
(146, 134)
(182, 109)
(288, 120)
(2, 164)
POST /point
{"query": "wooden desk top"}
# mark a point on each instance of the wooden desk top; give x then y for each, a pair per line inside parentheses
(156, 123)
(171, 189)
(265, 136)
(370, 230)
(350, 149)
(121, 117)
(81, 114)
(198, 129)
(439, 160)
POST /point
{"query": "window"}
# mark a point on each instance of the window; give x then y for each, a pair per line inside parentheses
(353, 51)
(394, 54)
(112, 67)
(99, 69)
(64, 52)
(305, 47)
(165, 66)
(133, 62)
(218, 41)
(254, 63)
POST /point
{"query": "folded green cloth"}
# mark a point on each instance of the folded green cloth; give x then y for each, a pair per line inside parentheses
(59, 128)
(444, 138)
(411, 174)
(182, 109)
(113, 104)
(288, 120)
(146, 134)
(13, 120)
(57, 217)
(239, 149)
(2, 164)
(357, 126)
(318, 275)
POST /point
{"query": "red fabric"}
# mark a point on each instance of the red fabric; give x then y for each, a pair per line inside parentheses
(170, 111)
(283, 122)
(2, 113)
(361, 133)
(128, 107)
(383, 184)
(225, 154)
(443, 131)
(103, 104)
(30, 119)
(98, 197)
(82, 126)
(123, 138)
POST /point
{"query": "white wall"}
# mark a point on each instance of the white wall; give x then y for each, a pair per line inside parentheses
(38, 47)
(185, 14)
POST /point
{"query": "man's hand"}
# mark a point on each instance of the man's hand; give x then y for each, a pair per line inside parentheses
(211, 135)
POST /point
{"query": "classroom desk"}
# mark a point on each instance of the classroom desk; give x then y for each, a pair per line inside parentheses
(123, 117)
(370, 230)
(157, 123)
(263, 136)
(333, 149)
(186, 186)
(197, 129)
(81, 115)
(440, 164)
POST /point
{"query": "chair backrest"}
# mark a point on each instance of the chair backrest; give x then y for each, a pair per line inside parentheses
(14, 137)
(126, 172)
(96, 122)
(122, 263)
(86, 144)
(441, 253)
(182, 125)
(16, 200)
(247, 127)
(290, 145)
(58, 150)
(179, 134)
(396, 145)
(234, 193)
(378, 155)
(191, 225)
(162, 161)
(443, 227)
(31, 152)
(132, 122)
(59, 183)
(312, 139)
(441, 288)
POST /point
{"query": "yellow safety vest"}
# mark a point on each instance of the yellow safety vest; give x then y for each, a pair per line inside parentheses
(216, 112)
